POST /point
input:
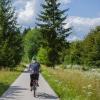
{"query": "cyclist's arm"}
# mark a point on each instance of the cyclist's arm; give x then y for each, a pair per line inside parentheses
(29, 68)
(40, 69)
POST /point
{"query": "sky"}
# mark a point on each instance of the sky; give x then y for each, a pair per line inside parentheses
(83, 15)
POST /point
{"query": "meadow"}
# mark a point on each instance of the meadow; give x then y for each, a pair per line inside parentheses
(7, 77)
(72, 84)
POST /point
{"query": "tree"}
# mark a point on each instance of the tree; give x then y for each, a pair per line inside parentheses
(10, 39)
(92, 48)
(32, 43)
(74, 53)
(26, 31)
(42, 56)
(85, 52)
(51, 22)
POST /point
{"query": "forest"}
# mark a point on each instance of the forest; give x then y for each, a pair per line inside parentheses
(47, 41)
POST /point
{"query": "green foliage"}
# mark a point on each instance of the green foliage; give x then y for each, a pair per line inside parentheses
(26, 31)
(74, 53)
(11, 53)
(51, 23)
(42, 56)
(32, 43)
(11, 48)
(92, 48)
(86, 52)
(47, 56)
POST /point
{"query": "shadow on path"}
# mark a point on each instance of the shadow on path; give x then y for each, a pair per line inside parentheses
(13, 92)
(46, 96)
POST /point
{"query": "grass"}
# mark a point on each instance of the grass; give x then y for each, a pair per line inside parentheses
(7, 76)
(73, 84)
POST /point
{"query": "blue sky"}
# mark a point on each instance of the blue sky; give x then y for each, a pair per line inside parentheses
(83, 15)
(85, 8)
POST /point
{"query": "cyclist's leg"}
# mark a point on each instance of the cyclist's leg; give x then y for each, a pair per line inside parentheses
(30, 80)
(37, 78)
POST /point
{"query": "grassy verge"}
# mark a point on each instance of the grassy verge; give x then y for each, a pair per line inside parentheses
(7, 76)
(73, 84)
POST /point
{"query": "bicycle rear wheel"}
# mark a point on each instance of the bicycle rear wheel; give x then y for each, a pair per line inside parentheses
(34, 93)
(34, 90)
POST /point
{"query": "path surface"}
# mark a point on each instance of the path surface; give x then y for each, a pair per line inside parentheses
(20, 90)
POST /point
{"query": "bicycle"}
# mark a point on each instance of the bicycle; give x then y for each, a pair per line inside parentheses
(34, 87)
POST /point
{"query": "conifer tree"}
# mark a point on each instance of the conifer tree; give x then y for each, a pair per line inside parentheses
(10, 38)
(26, 30)
(51, 22)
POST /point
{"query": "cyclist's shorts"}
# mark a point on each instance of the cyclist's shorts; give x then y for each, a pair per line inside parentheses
(34, 76)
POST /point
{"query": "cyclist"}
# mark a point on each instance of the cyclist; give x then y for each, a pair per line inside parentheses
(34, 68)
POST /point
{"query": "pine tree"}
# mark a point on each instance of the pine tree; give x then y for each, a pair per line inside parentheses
(10, 38)
(51, 22)
(26, 30)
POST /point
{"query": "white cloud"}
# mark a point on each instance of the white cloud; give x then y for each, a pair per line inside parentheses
(85, 21)
(26, 11)
(84, 24)
(26, 14)
(17, 2)
(81, 26)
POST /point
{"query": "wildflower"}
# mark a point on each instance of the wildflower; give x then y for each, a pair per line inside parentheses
(89, 93)
(89, 86)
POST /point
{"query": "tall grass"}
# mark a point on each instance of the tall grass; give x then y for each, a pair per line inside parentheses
(7, 76)
(73, 84)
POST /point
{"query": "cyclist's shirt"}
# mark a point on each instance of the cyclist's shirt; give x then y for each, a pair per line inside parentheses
(34, 68)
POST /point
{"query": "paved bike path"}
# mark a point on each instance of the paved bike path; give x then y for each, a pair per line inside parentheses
(20, 90)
